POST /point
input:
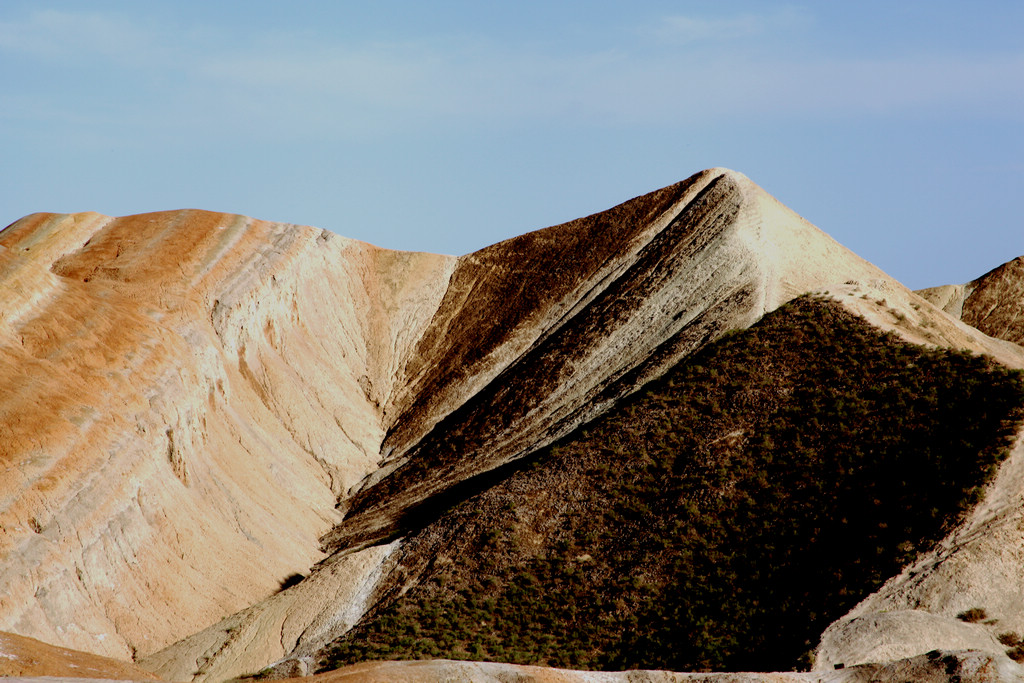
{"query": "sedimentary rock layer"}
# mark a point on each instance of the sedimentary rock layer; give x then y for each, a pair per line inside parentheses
(533, 337)
(186, 396)
(184, 381)
(28, 657)
(565, 336)
(190, 395)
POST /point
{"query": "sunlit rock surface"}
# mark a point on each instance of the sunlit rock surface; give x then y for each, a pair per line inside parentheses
(187, 395)
(32, 659)
(200, 406)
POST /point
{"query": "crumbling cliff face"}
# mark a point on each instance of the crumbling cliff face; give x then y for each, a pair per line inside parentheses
(199, 406)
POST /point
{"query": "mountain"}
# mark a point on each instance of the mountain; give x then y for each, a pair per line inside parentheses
(229, 442)
(183, 382)
(992, 303)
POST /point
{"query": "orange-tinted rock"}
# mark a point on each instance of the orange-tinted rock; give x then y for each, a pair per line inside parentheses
(186, 396)
(20, 656)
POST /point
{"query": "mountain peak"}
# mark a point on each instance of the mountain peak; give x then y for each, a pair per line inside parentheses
(182, 381)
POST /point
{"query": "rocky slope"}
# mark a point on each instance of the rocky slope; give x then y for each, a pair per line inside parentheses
(300, 402)
(994, 303)
(978, 566)
(655, 279)
(718, 519)
(180, 382)
(28, 657)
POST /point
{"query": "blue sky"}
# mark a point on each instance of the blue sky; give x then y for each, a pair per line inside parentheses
(896, 127)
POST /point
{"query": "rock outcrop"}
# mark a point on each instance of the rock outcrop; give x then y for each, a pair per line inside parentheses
(994, 303)
(577, 316)
(527, 344)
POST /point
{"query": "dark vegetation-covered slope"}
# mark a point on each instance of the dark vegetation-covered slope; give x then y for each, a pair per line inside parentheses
(718, 519)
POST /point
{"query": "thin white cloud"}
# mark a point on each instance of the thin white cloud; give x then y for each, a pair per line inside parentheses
(683, 29)
(616, 87)
(82, 36)
(741, 88)
(375, 75)
(278, 85)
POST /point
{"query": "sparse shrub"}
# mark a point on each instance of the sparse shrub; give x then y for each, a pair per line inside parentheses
(973, 615)
(707, 502)
(290, 580)
(1009, 639)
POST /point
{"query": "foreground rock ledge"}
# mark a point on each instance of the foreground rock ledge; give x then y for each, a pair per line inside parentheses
(964, 666)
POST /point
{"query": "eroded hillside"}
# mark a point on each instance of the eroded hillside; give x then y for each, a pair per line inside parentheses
(187, 393)
(719, 519)
(723, 255)
(192, 392)
(190, 379)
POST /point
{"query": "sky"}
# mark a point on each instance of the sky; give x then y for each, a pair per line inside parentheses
(896, 127)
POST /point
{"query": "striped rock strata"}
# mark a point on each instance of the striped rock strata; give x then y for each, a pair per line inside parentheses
(534, 336)
(192, 393)
(203, 405)
(994, 303)
(188, 394)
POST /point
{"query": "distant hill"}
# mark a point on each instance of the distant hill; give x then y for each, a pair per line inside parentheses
(994, 303)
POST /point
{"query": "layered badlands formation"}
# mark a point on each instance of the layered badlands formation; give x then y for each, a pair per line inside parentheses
(201, 406)
(188, 395)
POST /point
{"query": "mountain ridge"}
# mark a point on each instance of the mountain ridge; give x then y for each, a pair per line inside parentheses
(361, 382)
